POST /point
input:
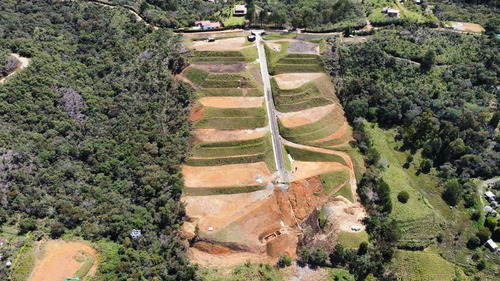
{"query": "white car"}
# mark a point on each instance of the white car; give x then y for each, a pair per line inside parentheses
(355, 228)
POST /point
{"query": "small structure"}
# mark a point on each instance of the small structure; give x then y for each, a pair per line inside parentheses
(206, 25)
(393, 13)
(211, 39)
(488, 209)
(491, 245)
(251, 38)
(490, 196)
(239, 10)
(135, 233)
(418, 2)
(385, 9)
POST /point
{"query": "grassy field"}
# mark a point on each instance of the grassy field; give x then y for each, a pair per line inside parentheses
(332, 180)
(352, 239)
(425, 265)
(307, 155)
(248, 54)
(418, 208)
(196, 75)
(308, 133)
(187, 191)
(305, 97)
(232, 118)
(346, 192)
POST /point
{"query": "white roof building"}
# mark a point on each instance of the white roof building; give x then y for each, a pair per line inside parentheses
(491, 245)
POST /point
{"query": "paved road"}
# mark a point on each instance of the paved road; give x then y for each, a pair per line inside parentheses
(278, 153)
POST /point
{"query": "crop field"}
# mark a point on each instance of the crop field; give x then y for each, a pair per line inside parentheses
(308, 133)
(305, 97)
(284, 62)
(232, 118)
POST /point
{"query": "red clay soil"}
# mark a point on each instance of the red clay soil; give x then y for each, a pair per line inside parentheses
(59, 261)
(214, 135)
(232, 102)
(226, 175)
(196, 113)
(299, 118)
(303, 170)
(304, 195)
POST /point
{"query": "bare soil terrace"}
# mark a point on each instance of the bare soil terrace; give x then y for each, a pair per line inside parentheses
(295, 80)
(232, 102)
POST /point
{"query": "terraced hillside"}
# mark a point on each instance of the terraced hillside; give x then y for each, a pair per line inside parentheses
(237, 209)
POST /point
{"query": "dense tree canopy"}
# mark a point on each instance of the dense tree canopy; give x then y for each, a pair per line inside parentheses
(93, 131)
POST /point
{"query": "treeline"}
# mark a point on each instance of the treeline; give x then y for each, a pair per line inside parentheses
(93, 132)
(443, 109)
(311, 15)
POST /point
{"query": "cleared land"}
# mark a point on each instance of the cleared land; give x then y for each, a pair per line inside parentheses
(302, 47)
(227, 67)
(226, 175)
(232, 118)
(232, 102)
(466, 26)
(214, 135)
(303, 117)
(288, 81)
(229, 44)
(57, 260)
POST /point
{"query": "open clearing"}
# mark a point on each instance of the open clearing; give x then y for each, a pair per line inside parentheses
(221, 67)
(58, 260)
(467, 26)
(302, 47)
(214, 135)
(226, 175)
(229, 44)
(295, 80)
(23, 62)
(232, 102)
(299, 118)
(304, 170)
(346, 213)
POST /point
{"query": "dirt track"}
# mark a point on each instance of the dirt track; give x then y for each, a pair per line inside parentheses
(226, 175)
(59, 260)
(299, 118)
(23, 62)
(232, 102)
(295, 80)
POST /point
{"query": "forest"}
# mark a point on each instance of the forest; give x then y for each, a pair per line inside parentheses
(93, 132)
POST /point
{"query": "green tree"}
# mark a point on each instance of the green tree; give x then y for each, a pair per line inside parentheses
(452, 192)
(403, 197)
(428, 60)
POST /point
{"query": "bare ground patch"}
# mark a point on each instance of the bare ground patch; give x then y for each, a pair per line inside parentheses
(295, 80)
(303, 170)
(302, 47)
(346, 213)
(222, 67)
(232, 102)
(299, 118)
(60, 262)
(230, 44)
(226, 175)
(214, 135)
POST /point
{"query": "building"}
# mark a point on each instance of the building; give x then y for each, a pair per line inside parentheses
(239, 10)
(491, 245)
(393, 13)
(206, 25)
(490, 196)
(251, 38)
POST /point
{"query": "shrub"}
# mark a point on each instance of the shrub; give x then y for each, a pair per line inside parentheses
(491, 223)
(473, 242)
(27, 225)
(56, 229)
(483, 234)
(403, 197)
(285, 260)
(363, 248)
(452, 192)
(496, 235)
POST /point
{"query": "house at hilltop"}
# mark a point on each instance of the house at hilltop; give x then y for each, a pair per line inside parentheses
(392, 13)
(207, 25)
(239, 10)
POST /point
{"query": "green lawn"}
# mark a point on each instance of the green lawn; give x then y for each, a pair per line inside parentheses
(352, 239)
(196, 75)
(332, 180)
(187, 191)
(305, 97)
(346, 192)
